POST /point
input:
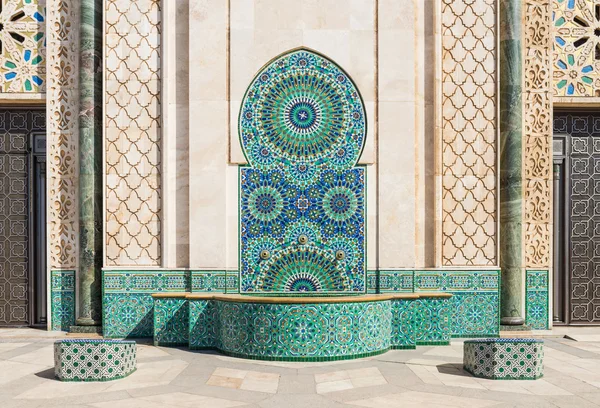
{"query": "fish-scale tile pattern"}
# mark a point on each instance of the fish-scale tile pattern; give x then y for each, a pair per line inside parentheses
(469, 131)
(133, 132)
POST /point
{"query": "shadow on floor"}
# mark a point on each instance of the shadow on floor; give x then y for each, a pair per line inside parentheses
(453, 369)
(47, 374)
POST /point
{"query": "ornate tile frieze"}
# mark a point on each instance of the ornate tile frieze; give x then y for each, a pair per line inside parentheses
(302, 125)
(132, 108)
(171, 322)
(62, 291)
(23, 46)
(469, 132)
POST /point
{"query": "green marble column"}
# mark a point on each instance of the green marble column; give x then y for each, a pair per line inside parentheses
(511, 192)
(90, 167)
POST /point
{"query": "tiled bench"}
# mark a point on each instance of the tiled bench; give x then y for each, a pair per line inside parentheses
(504, 359)
(93, 360)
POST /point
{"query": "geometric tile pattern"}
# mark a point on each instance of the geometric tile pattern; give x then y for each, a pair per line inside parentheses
(22, 46)
(537, 132)
(431, 319)
(304, 331)
(576, 47)
(394, 281)
(132, 61)
(468, 140)
(302, 126)
(215, 281)
(583, 132)
(62, 290)
(15, 129)
(403, 324)
(301, 332)
(504, 359)
(537, 299)
(93, 360)
(203, 324)
(475, 299)
(171, 322)
(127, 302)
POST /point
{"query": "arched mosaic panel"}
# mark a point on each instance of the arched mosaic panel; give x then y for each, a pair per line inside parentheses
(576, 47)
(22, 46)
(302, 126)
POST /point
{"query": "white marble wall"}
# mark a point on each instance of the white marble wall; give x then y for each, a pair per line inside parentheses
(386, 46)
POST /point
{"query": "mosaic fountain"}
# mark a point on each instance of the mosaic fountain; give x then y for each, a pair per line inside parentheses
(302, 287)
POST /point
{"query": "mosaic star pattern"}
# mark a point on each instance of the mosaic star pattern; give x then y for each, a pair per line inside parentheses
(63, 299)
(576, 47)
(302, 224)
(23, 46)
(537, 303)
(469, 196)
(301, 332)
(475, 301)
(93, 360)
(133, 132)
(127, 305)
(504, 359)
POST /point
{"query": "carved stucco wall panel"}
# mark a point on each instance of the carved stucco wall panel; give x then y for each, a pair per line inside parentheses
(133, 132)
(537, 100)
(469, 155)
(63, 132)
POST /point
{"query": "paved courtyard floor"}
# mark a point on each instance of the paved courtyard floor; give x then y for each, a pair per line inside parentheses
(425, 377)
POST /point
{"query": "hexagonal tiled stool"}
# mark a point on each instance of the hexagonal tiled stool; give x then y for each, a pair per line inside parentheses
(504, 359)
(93, 360)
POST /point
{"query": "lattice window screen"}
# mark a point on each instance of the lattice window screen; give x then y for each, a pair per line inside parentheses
(469, 196)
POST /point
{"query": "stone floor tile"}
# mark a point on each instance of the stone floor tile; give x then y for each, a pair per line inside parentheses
(331, 376)
(132, 403)
(299, 401)
(268, 386)
(370, 381)
(41, 356)
(230, 372)
(58, 389)
(297, 384)
(14, 370)
(150, 375)
(183, 399)
(431, 399)
(363, 372)
(333, 386)
(227, 382)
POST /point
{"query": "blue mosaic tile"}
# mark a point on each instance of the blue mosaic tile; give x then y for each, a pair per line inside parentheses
(302, 205)
(203, 323)
(171, 322)
(209, 281)
(432, 322)
(537, 300)
(62, 291)
(403, 327)
(395, 281)
(127, 304)
(127, 315)
(475, 301)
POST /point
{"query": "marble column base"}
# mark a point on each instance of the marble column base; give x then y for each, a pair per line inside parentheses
(512, 321)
